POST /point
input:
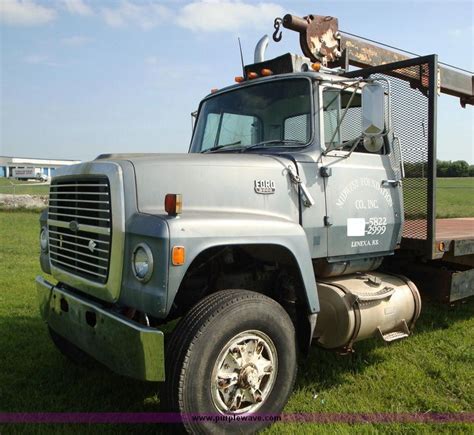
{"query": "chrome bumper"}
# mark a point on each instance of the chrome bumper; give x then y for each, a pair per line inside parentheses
(124, 346)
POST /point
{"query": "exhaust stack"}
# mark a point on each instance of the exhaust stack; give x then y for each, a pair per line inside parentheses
(260, 48)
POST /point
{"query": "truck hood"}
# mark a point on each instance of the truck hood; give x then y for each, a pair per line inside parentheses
(218, 183)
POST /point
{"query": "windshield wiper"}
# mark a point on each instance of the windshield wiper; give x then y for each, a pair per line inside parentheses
(265, 143)
(219, 147)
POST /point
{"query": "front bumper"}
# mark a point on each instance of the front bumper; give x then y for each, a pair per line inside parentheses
(124, 346)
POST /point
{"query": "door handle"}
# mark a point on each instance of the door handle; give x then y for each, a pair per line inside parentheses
(393, 183)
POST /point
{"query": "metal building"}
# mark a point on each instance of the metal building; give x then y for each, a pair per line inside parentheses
(43, 166)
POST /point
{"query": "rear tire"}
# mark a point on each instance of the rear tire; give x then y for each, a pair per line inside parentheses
(69, 350)
(233, 353)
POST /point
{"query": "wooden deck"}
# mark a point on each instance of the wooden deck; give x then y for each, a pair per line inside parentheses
(455, 229)
(446, 229)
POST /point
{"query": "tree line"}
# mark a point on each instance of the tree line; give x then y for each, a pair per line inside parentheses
(444, 168)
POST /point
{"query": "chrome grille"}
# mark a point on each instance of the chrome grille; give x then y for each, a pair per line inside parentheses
(80, 226)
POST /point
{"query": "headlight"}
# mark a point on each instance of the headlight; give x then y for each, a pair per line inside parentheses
(44, 239)
(142, 262)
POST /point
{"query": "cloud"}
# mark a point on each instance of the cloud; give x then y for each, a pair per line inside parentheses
(35, 58)
(226, 15)
(76, 40)
(41, 59)
(25, 13)
(461, 32)
(146, 15)
(78, 7)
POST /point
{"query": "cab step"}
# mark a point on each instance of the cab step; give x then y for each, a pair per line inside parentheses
(388, 337)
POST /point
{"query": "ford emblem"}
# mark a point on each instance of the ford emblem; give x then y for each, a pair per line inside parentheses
(73, 226)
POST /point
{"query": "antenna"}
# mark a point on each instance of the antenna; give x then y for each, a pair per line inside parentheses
(241, 57)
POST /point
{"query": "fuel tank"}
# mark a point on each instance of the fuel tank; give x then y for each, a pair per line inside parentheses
(359, 306)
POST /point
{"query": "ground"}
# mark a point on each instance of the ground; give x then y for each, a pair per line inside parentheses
(429, 372)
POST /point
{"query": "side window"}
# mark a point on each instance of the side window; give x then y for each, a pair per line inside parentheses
(297, 128)
(331, 108)
(342, 113)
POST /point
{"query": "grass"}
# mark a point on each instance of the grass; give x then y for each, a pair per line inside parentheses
(455, 197)
(429, 372)
(23, 187)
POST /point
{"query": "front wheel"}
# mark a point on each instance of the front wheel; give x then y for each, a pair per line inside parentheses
(233, 353)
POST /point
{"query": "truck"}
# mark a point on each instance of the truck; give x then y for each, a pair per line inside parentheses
(29, 173)
(303, 214)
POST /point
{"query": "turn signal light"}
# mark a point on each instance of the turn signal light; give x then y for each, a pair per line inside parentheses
(239, 79)
(266, 72)
(316, 66)
(252, 75)
(173, 203)
(178, 255)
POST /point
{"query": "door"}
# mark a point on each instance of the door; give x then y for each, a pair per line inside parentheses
(363, 194)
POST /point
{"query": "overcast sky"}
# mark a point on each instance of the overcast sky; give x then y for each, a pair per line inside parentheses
(81, 77)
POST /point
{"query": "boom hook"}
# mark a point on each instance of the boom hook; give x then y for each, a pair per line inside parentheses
(277, 32)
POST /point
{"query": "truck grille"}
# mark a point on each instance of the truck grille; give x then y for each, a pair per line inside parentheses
(80, 227)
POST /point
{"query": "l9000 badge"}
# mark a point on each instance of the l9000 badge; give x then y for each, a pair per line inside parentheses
(265, 187)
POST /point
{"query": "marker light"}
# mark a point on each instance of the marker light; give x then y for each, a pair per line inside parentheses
(173, 203)
(316, 66)
(178, 255)
(266, 72)
(214, 90)
(239, 79)
(252, 75)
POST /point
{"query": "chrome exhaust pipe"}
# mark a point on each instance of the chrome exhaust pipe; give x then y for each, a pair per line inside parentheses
(259, 55)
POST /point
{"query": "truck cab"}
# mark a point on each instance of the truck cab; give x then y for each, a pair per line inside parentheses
(350, 196)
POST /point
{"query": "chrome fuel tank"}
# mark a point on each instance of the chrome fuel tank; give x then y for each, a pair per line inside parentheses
(359, 306)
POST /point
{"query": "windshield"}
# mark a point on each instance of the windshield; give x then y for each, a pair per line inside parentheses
(273, 114)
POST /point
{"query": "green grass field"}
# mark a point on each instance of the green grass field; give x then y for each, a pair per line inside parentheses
(455, 197)
(429, 372)
(21, 187)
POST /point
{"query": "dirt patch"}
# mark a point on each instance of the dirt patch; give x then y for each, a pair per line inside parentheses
(8, 202)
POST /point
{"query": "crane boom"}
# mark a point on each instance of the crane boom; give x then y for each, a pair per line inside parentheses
(322, 41)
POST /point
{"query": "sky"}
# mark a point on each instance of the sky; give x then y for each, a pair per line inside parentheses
(79, 78)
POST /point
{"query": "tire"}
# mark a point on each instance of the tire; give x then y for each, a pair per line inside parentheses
(202, 376)
(69, 350)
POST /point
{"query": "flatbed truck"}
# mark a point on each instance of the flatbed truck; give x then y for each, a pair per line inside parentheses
(288, 224)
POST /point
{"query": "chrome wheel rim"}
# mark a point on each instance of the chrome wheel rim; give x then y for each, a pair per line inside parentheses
(244, 373)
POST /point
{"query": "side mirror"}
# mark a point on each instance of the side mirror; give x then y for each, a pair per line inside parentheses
(373, 109)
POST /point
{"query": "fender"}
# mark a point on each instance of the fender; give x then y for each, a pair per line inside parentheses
(204, 230)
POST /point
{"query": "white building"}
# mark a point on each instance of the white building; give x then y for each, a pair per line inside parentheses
(43, 166)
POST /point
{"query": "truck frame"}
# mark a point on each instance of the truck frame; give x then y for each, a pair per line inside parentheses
(303, 214)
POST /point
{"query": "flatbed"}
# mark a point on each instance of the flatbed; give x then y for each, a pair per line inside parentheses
(446, 273)
(453, 237)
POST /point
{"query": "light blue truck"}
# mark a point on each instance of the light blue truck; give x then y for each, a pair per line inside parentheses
(266, 237)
